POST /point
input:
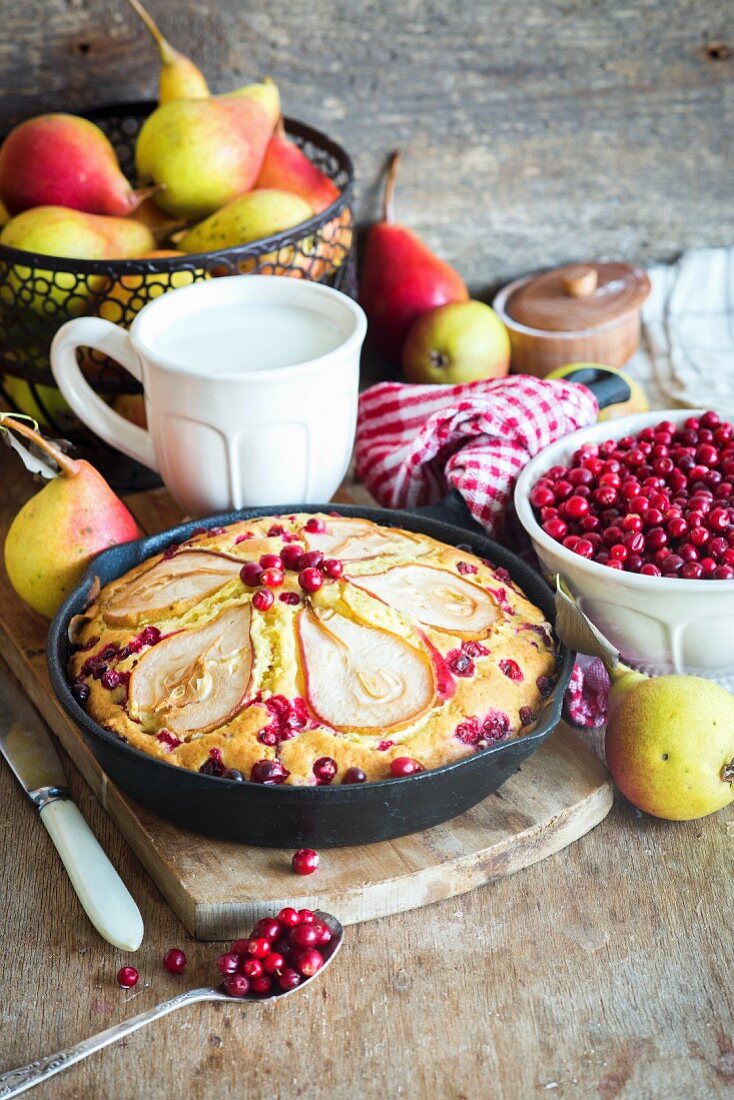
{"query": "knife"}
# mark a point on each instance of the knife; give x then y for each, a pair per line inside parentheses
(26, 745)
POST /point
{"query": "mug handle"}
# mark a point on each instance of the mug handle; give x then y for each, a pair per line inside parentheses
(94, 332)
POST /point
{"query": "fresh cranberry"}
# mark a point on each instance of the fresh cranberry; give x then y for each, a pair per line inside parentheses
(310, 579)
(692, 570)
(650, 570)
(259, 947)
(228, 964)
(174, 961)
(291, 598)
(269, 772)
(268, 927)
(306, 916)
(263, 599)
(511, 670)
(127, 977)
(304, 935)
(291, 555)
(405, 765)
(236, 985)
(305, 861)
(555, 529)
(250, 574)
(239, 947)
(251, 968)
(272, 578)
(288, 917)
(324, 769)
(289, 978)
(315, 526)
(271, 561)
(261, 985)
(718, 519)
(334, 568)
(273, 963)
(323, 931)
(723, 573)
(354, 775)
(309, 962)
(541, 496)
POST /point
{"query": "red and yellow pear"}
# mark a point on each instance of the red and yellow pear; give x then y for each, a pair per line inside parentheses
(401, 278)
(59, 530)
(287, 168)
(63, 160)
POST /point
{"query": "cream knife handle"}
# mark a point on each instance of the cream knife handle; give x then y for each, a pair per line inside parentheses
(100, 889)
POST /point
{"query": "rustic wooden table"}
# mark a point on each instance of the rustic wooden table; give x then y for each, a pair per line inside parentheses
(603, 971)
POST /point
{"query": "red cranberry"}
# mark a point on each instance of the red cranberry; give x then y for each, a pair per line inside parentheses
(405, 765)
(333, 568)
(250, 574)
(127, 977)
(718, 519)
(354, 775)
(650, 570)
(261, 984)
(273, 963)
(291, 555)
(324, 769)
(236, 985)
(271, 578)
(309, 962)
(263, 599)
(251, 968)
(228, 964)
(271, 561)
(310, 580)
(304, 935)
(315, 526)
(288, 917)
(312, 559)
(174, 961)
(692, 570)
(511, 669)
(259, 947)
(291, 598)
(323, 932)
(305, 861)
(268, 927)
(239, 947)
(541, 496)
(289, 978)
(555, 529)
(81, 691)
(584, 548)
(269, 772)
(577, 507)
(306, 916)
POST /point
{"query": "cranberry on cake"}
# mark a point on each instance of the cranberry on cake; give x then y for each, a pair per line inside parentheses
(313, 650)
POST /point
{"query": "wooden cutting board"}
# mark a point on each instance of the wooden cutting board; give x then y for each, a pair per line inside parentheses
(219, 888)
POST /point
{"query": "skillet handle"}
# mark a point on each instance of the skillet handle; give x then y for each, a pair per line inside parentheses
(452, 509)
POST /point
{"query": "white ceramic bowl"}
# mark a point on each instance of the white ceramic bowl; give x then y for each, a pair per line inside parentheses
(659, 624)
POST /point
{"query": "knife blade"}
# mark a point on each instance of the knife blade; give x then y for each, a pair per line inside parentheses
(27, 746)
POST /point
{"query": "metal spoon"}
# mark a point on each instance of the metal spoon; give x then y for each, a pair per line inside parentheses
(15, 1081)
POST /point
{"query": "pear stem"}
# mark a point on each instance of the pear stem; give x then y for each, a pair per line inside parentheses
(618, 671)
(388, 202)
(727, 773)
(68, 467)
(165, 49)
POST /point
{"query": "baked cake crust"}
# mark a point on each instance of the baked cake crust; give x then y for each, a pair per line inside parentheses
(418, 650)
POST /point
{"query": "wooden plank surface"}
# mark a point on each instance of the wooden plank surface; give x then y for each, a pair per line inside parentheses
(602, 971)
(533, 133)
(219, 889)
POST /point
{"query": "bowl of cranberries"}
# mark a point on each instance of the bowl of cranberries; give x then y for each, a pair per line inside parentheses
(641, 527)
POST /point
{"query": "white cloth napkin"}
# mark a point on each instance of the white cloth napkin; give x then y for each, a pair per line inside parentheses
(686, 354)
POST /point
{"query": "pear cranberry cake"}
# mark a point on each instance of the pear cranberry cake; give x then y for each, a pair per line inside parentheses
(313, 649)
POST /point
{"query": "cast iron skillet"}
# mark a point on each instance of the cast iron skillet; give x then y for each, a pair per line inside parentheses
(289, 817)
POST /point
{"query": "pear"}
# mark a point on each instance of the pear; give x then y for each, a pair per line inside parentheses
(359, 540)
(203, 153)
(195, 680)
(287, 168)
(670, 744)
(362, 677)
(128, 294)
(56, 231)
(63, 160)
(251, 217)
(180, 78)
(59, 530)
(401, 278)
(170, 587)
(456, 343)
(434, 597)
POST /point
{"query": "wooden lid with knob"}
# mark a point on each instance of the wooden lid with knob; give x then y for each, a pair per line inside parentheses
(578, 297)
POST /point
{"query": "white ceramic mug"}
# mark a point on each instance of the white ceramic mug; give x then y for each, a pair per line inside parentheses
(250, 386)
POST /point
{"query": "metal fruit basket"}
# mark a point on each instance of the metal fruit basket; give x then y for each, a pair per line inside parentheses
(40, 293)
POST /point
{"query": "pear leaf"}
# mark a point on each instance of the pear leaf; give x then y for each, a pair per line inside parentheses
(32, 458)
(578, 632)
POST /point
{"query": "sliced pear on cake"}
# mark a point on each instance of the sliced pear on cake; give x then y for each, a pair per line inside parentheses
(360, 677)
(434, 597)
(357, 540)
(195, 680)
(170, 587)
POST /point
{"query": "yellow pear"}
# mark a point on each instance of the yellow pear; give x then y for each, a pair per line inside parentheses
(202, 153)
(251, 217)
(180, 78)
(39, 402)
(57, 532)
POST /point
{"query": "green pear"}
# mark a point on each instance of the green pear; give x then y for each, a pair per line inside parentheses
(72, 234)
(59, 530)
(249, 218)
(670, 744)
(455, 343)
(202, 153)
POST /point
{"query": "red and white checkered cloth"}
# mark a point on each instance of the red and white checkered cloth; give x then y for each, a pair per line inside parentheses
(415, 443)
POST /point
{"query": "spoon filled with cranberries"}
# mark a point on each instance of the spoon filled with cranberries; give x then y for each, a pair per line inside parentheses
(283, 953)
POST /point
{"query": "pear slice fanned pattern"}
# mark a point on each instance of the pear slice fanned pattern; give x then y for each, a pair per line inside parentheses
(195, 680)
(434, 597)
(362, 677)
(173, 585)
(352, 540)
